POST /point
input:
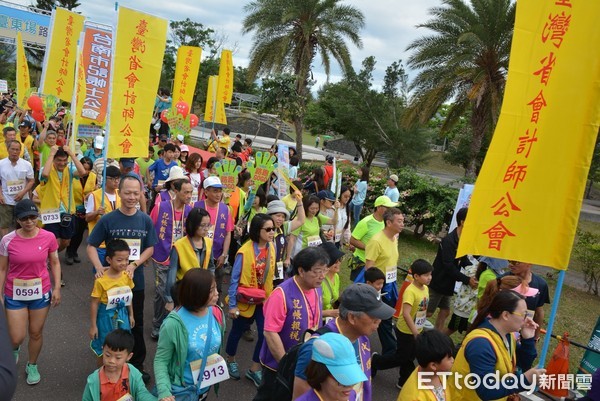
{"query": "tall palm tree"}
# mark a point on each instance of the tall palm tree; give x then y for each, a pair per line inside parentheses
(465, 60)
(288, 34)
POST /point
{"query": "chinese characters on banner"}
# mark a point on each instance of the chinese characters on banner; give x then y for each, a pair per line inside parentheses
(23, 82)
(97, 56)
(58, 73)
(212, 103)
(186, 74)
(138, 53)
(225, 88)
(527, 198)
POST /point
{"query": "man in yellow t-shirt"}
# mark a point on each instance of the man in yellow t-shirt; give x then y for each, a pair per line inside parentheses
(410, 324)
(222, 142)
(382, 252)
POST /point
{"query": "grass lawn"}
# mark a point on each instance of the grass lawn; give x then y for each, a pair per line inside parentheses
(435, 164)
(575, 313)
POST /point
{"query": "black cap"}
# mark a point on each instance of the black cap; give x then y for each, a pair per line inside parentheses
(113, 171)
(25, 208)
(332, 251)
(25, 123)
(127, 162)
(361, 297)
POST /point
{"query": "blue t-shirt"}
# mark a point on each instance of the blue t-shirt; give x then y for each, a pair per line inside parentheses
(392, 193)
(360, 194)
(116, 225)
(161, 170)
(197, 328)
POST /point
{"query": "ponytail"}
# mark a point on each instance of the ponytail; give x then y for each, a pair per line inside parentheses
(493, 302)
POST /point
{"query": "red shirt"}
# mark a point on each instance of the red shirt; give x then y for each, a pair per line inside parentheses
(113, 391)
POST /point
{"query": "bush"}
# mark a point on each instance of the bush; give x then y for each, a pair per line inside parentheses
(587, 252)
(427, 205)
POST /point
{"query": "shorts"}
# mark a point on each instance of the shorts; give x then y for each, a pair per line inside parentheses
(7, 217)
(437, 300)
(458, 323)
(35, 304)
(60, 231)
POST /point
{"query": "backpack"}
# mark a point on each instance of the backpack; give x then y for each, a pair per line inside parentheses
(284, 383)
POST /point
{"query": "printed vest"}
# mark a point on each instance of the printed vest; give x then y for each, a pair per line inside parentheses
(296, 320)
(220, 226)
(80, 192)
(55, 190)
(164, 230)
(247, 279)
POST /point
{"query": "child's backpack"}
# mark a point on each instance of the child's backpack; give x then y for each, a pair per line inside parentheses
(284, 383)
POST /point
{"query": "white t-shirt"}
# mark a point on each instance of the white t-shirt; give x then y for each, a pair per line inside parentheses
(90, 203)
(14, 178)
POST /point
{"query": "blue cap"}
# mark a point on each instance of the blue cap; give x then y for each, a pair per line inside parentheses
(497, 265)
(336, 352)
(326, 194)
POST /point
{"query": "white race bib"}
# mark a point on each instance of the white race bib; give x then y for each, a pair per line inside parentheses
(314, 240)
(214, 372)
(14, 187)
(27, 290)
(391, 274)
(279, 272)
(135, 248)
(161, 183)
(117, 295)
(420, 319)
(211, 232)
(195, 195)
(126, 397)
(338, 237)
(50, 216)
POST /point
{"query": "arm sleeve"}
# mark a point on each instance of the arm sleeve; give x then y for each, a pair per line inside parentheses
(8, 370)
(235, 280)
(97, 290)
(151, 239)
(449, 262)
(304, 357)
(164, 352)
(274, 311)
(372, 250)
(360, 230)
(98, 234)
(526, 353)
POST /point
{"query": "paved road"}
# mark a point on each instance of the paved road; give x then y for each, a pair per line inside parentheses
(66, 359)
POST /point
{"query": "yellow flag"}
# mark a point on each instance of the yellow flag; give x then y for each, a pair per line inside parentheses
(225, 89)
(138, 53)
(58, 72)
(186, 74)
(528, 196)
(213, 102)
(23, 82)
(79, 96)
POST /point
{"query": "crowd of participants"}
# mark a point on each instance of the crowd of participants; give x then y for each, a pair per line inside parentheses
(282, 260)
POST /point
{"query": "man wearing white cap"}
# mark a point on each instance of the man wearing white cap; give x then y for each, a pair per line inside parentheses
(96, 152)
(221, 223)
(391, 191)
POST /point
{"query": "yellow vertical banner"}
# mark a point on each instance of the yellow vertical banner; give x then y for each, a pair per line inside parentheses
(225, 89)
(23, 82)
(527, 198)
(58, 72)
(213, 102)
(186, 74)
(79, 96)
(138, 51)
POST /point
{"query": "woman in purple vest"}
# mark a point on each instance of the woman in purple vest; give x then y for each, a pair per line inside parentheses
(333, 370)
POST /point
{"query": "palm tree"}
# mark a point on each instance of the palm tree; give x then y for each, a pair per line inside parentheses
(288, 34)
(465, 61)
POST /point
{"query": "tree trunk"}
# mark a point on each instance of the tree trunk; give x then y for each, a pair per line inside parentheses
(370, 156)
(299, 126)
(278, 131)
(478, 125)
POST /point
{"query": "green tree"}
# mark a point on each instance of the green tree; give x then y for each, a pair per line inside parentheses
(288, 34)
(278, 94)
(7, 64)
(369, 118)
(465, 59)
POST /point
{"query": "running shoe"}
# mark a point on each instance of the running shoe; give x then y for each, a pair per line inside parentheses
(256, 377)
(234, 371)
(33, 376)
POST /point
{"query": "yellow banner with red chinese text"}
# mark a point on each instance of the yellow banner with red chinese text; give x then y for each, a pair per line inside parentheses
(527, 198)
(138, 51)
(225, 88)
(58, 72)
(23, 81)
(214, 111)
(186, 74)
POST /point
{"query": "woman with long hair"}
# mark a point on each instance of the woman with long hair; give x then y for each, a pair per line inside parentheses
(251, 284)
(309, 233)
(491, 348)
(316, 182)
(360, 194)
(190, 338)
(193, 167)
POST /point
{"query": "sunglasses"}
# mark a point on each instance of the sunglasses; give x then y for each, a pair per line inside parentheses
(268, 229)
(26, 218)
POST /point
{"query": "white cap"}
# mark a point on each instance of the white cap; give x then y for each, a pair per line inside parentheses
(212, 181)
(99, 142)
(180, 138)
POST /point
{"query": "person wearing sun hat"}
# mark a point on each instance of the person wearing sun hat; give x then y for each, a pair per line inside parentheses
(333, 370)
(391, 191)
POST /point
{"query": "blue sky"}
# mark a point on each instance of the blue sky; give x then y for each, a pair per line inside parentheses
(389, 25)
